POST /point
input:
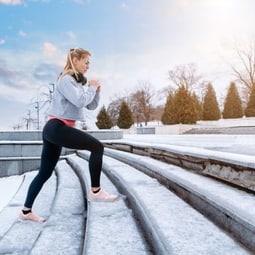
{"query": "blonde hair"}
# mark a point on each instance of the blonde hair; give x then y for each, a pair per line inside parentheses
(69, 68)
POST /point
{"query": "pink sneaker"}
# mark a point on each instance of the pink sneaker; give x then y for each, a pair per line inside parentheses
(31, 216)
(102, 196)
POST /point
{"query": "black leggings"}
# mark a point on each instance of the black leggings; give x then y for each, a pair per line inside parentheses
(55, 136)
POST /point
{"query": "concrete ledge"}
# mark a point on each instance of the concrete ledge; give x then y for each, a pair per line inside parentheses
(25, 149)
(145, 130)
(105, 134)
(101, 134)
(35, 135)
(18, 165)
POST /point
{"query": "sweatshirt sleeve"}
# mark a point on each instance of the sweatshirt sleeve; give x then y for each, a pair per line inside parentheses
(75, 93)
(93, 105)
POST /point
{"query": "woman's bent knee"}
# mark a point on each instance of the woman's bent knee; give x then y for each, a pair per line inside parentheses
(100, 148)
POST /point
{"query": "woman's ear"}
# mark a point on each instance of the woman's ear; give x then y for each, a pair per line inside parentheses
(75, 60)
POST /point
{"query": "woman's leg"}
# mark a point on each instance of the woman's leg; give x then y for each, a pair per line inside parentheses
(49, 159)
(55, 136)
(76, 139)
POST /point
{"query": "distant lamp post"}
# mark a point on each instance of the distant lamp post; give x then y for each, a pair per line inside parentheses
(43, 98)
(37, 107)
(51, 90)
(28, 120)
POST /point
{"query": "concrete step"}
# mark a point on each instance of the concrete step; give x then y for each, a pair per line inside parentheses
(17, 236)
(9, 187)
(237, 169)
(63, 233)
(171, 225)
(61, 202)
(111, 227)
(147, 219)
(230, 208)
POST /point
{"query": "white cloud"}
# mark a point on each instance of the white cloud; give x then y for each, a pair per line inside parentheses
(81, 1)
(17, 94)
(49, 49)
(11, 2)
(71, 35)
(2, 41)
(123, 5)
(22, 33)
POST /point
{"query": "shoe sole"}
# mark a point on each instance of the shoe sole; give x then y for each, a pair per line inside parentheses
(102, 200)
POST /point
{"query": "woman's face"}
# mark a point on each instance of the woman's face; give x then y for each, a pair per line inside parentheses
(81, 65)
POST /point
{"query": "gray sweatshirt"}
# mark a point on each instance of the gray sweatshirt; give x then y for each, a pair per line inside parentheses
(70, 97)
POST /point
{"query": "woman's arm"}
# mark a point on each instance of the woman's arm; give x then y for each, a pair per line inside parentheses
(93, 105)
(75, 93)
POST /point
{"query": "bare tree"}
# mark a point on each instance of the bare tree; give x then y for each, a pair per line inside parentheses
(244, 71)
(29, 120)
(141, 101)
(17, 127)
(184, 75)
(114, 108)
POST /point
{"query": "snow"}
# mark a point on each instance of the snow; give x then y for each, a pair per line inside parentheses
(182, 227)
(109, 224)
(8, 188)
(231, 198)
(119, 220)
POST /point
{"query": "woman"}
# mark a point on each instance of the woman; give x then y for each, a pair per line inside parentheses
(67, 105)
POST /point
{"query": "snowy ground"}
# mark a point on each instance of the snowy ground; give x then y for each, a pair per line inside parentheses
(8, 187)
(241, 144)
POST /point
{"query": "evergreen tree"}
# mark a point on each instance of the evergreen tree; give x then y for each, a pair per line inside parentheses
(167, 117)
(250, 109)
(198, 105)
(125, 119)
(103, 119)
(185, 111)
(233, 104)
(211, 110)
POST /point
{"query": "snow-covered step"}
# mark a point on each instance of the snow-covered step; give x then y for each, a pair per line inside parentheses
(232, 209)
(9, 187)
(111, 227)
(17, 236)
(174, 226)
(8, 214)
(237, 169)
(63, 233)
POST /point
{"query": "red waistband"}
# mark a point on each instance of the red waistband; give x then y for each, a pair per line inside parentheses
(70, 123)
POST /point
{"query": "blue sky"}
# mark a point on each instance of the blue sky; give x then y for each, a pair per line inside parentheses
(130, 41)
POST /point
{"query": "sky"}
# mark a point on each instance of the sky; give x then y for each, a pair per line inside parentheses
(130, 41)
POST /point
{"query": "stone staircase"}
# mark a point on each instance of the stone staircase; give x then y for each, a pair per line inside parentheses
(162, 208)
